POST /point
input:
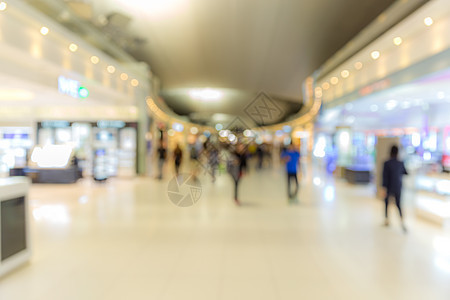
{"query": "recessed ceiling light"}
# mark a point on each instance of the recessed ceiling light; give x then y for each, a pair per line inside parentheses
(428, 21)
(134, 82)
(110, 69)
(44, 30)
(73, 47)
(375, 54)
(94, 59)
(124, 76)
(325, 85)
(358, 65)
(334, 80)
(391, 104)
(345, 73)
(397, 41)
(3, 6)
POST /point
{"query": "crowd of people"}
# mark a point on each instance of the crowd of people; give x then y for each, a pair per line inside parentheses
(232, 158)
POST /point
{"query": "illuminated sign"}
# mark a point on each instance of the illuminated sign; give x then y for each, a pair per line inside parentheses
(55, 124)
(110, 124)
(72, 88)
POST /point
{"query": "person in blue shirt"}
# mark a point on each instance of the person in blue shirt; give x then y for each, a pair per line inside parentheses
(393, 171)
(292, 158)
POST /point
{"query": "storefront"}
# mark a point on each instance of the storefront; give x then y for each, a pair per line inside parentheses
(57, 90)
(389, 94)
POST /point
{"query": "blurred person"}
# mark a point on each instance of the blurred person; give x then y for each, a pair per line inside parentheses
(236, 167)
(213, 160)
(260, 156)
(393, 171)
(268, 149)
(292, 159)
(162, 154)
(177, 157)
(193, 153)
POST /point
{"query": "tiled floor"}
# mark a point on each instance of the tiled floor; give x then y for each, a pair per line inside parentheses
(125, 240)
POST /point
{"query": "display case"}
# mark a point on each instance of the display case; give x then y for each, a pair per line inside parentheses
(15, 246)
(433, 198)
(53, 164)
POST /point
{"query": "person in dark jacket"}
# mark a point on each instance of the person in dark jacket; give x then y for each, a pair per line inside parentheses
(393, 171)
(236, 167)
(162, 154)
(177, 158)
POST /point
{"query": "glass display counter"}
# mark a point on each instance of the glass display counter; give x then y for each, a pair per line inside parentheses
(433, 197)
(14, 224)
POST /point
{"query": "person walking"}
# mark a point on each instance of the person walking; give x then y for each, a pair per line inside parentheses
(236, 167)
(393, 171)
(177, 157)
(162, 154)
(213, 160)
(292, 158)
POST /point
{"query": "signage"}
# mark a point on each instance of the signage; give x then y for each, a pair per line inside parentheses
(110, 124)
(72, 88)
(11, 136)
(55, 124)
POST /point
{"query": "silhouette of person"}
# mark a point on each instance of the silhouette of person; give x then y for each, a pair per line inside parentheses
(178, 157)
(236, 167)
(292, 158)
(162, 153)
(393, 171)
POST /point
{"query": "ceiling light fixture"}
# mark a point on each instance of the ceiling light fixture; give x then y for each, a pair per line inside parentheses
(3, 6)
(124, 76)
(44, 30)
(345, 73)
(397, 41)
(391, 104)
(358, 65)
(110, 69)
(375, 55)
(325, 85)
(206, 94)
(73, 47)
(95, 60)
(134, 82)
(428, 21)
(334, 80)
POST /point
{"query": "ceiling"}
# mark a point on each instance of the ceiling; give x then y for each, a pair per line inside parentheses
(242, 47)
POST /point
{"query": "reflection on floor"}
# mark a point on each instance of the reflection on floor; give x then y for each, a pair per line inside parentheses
(125, 240)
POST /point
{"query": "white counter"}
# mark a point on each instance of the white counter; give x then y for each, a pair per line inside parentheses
(15, 246)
